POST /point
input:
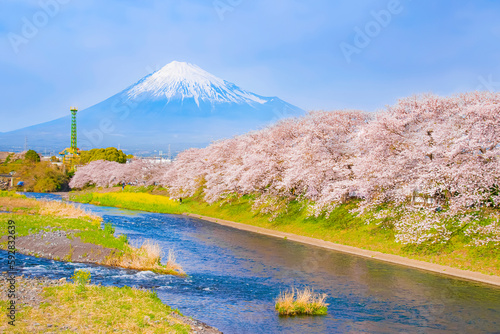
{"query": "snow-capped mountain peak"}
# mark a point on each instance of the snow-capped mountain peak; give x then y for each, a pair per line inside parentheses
(180, 105)
(179, 81)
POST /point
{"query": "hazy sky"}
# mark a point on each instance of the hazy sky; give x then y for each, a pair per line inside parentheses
(317, 54)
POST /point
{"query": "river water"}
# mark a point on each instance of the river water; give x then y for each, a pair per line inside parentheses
(235, 276)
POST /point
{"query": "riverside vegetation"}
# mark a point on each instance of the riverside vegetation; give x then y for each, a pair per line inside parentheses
(297, 302)
(85, 308)
(32, 216)
(372, 230)
(44, 176)
(39, 176)
(419, 179)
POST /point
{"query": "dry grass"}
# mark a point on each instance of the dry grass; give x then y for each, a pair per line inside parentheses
(18, 204)
(171, 262)
(297, 302)
(66, 210)
(46, 208)
(147, 257)
(97, 309)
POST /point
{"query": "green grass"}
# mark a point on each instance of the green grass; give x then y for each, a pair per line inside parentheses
(47, 216)
(341, 226)
(131, 200)
(4, 193)
(89, 231)
(97, 309)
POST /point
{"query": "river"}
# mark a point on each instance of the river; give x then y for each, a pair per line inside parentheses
(235, 276)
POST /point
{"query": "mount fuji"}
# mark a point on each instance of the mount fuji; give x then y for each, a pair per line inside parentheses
(179, 105)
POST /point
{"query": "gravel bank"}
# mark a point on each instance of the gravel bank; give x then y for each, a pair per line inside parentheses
(60, 245)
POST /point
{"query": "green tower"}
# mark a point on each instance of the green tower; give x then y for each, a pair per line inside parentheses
(71, 155)
(74, 110)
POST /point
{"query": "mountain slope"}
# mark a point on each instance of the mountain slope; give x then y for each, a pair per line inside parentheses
(180, 104)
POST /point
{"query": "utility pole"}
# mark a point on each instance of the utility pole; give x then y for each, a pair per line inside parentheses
(25, 143)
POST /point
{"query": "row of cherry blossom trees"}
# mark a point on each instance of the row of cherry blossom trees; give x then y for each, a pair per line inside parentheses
(103, 173)
(443, 149)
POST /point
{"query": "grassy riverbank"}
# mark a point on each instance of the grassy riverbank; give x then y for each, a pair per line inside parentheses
(67, 308)
(341, 226)
(132, 200)
(36, 220)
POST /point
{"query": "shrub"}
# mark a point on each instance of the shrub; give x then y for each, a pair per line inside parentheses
(31, 157)
(109, 229)
(109, 154)
(81, 278)
(43, 177)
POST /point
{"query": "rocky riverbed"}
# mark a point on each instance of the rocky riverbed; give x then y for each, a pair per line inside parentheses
(60, 245)
(28, 290)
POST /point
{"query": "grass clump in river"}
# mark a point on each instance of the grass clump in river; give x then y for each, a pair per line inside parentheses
(297, 302)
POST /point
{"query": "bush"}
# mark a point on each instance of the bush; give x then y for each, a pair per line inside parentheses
(109, 229)
(43, 177)
(31, 157)
(109, 154)
(81, 278)
(46, 184)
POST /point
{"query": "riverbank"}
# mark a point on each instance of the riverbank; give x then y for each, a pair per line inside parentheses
(445, 270)
(45, 305)
(341, 231)
(62, 232)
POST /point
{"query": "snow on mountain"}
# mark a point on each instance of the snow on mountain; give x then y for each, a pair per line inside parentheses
(179, 80)
(180, 106)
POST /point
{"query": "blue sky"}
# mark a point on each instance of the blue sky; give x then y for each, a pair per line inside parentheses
(83, 51)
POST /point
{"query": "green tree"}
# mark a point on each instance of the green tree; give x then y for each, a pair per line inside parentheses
(43, 177)
(31, 157)
(109, 154)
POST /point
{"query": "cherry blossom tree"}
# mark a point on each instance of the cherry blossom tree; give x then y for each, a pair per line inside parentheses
(435, 146)
(445, 150)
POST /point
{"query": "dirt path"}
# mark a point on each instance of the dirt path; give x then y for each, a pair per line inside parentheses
(395, 259)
